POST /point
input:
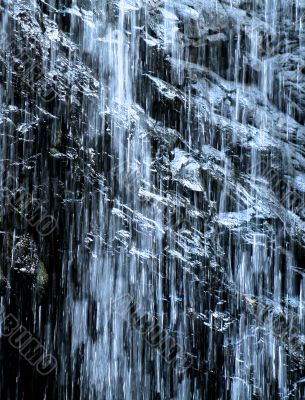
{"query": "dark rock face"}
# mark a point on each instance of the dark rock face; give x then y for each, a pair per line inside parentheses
(152, 198)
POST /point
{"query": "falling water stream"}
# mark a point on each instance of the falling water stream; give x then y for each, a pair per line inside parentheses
(166, 138)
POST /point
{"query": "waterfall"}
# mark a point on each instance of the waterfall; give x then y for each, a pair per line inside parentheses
(152, 199)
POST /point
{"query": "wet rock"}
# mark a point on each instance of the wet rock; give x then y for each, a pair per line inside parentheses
(149, 130)
(25, 257)
(42, 278)
(3, 284)
(27, 265)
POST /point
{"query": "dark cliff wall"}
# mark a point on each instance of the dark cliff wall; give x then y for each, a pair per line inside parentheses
(181, 154)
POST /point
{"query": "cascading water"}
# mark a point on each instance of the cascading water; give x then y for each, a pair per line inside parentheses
(165, 139)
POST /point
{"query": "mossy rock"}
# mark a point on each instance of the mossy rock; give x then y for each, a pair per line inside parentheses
(53, 151)
(42, 278)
